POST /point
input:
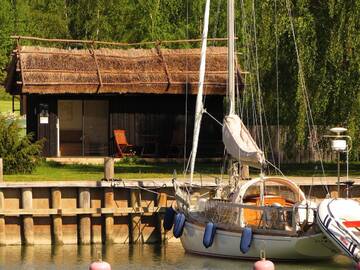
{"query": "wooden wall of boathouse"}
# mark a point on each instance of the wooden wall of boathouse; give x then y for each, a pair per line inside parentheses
(160, 116)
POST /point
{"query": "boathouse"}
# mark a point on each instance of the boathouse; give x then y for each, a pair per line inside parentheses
(76, 98)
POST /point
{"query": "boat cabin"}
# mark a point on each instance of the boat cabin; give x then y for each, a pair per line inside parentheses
(76, 98)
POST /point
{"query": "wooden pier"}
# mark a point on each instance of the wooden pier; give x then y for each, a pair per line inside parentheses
(84, 212)
(81, 212)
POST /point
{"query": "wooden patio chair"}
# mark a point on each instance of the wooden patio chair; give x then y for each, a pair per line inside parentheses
(122, 146)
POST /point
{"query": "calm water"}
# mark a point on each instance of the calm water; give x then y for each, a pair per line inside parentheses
(171, 256)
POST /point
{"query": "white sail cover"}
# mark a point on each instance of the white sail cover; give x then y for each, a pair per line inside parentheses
(239, 143)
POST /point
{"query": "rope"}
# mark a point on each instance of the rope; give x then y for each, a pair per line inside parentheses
(212, 117)
(276, 168)
(116, 182)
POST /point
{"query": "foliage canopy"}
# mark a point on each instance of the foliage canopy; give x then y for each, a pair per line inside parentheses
(327, 35)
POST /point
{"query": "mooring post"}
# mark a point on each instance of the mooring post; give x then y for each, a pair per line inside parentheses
(109, 218)
(161, 202)
(135, 218)
(1, 170)
(57, 220)
(108, 168)
(28, 222)
(2, 220)
(85, 219)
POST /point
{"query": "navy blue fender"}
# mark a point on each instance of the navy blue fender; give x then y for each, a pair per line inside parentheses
(246, 239)
(169, 218)
(209, 234)
(179, 223)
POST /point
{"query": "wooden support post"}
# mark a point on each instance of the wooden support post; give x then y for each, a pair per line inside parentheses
(108, 168)
(85, 220)
(109, 218)
(2, 220)
(1, 170)
(28, 222)
(245, 172)
(135, 219)
(161, 202)
(57, 220)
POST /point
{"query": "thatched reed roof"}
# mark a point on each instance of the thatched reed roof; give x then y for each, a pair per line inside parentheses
(151, 71)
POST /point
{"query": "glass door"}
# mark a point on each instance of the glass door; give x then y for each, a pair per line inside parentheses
(96, 128)
(70, 120)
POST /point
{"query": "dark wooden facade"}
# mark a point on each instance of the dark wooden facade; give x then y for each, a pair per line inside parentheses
(47, 132)
(154, 124)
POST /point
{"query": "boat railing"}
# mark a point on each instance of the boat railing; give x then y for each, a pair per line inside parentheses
(272, 218)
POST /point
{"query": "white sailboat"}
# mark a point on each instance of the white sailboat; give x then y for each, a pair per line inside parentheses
(248, 220)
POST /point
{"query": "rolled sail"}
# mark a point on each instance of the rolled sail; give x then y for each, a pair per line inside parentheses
(239, 143)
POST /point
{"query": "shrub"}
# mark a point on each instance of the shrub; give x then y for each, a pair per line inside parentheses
(19, 153)
(4, 95)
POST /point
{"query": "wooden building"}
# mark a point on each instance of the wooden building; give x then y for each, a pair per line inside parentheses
(76, 98)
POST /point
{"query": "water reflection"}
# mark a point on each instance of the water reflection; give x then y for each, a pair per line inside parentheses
(171, 256)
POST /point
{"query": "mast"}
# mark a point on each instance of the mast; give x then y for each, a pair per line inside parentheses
(199, 98)
(231, 56)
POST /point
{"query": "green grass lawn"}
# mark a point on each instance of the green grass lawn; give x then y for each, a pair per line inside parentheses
(6, 102)
(52, 171)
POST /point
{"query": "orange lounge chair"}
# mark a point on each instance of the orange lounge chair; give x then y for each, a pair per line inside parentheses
(122, 146)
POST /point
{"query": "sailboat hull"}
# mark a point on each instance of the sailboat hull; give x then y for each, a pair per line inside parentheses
(227, 244)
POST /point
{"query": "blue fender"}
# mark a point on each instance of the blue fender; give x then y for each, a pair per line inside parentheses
(246, 239)
(179, 223)
(169, 218)
(209, 234)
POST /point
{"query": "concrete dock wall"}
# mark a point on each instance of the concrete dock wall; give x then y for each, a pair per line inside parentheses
(90, 212)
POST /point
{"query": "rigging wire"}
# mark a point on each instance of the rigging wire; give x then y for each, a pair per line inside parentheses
(309, 116)
(186, 91)
(250, 94)
(246, 62)
(214, 36)
(216, 20)
(277, 85)
(267, 130)
(258, 76)
(262, 112)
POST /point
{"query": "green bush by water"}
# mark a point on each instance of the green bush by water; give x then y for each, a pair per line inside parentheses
(19, 153)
